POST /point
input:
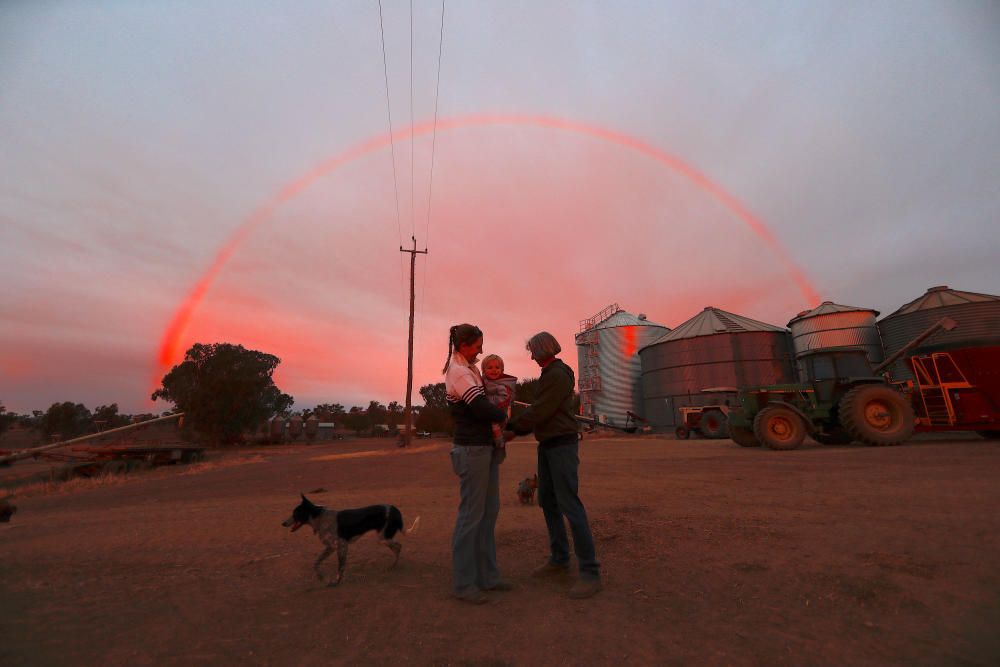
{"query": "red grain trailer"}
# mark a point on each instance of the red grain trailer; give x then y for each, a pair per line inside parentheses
(957, 390)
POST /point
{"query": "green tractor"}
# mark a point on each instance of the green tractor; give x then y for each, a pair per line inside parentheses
(843, 399)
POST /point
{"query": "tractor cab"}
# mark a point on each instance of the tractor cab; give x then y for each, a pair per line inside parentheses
(829, 372)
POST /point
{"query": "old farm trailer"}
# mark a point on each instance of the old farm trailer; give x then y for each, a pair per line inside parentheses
(92, 460)
(957, 390)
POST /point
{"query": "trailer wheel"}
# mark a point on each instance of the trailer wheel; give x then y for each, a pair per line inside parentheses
(743, 437)
(876, 415)
(989, 435)
(779, 427)
(836, 436)
(714, 424)
(682, 432)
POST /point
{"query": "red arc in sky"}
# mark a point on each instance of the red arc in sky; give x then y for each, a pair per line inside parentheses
(170, 351)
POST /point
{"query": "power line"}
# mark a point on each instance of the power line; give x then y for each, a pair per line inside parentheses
(430, 183)
(392, 143)
(412, 252)
(413, 203)
(437, 95)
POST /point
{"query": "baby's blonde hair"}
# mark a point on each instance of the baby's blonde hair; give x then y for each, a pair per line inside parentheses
(492, 357)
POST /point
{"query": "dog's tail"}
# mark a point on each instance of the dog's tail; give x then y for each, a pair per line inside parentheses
(412, 528)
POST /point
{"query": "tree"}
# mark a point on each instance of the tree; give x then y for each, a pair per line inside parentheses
(6, 418)
(434, 420)
(357, 420)
(435, 395)
(377, 414)
(435, 416)
(68, 420)
(106, 416)
(329, 411)
(394, 414)
(224, 390)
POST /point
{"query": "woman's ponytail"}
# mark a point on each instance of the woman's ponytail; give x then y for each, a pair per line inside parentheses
(451, 349)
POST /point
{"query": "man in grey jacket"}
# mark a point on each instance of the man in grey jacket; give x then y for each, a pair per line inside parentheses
(551, 419)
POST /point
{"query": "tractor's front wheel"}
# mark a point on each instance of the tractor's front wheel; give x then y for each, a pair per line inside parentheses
(743, 437)
(682, 432)
(779, 427)
(876, 415)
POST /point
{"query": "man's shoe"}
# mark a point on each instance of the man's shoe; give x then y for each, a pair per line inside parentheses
(472, 596)
(501, 585)
(585, 588)
(550, 569)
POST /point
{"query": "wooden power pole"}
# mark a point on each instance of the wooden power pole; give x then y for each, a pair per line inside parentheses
(408, 410)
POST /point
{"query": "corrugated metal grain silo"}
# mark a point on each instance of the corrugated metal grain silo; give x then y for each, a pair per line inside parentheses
(609, 368)
(832, 325)
(977, 315)
(712, 349)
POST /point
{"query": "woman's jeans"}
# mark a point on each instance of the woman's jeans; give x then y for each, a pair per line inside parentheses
(558, 485)
(473, 546)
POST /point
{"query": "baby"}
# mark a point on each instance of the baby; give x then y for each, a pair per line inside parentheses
(499, 390)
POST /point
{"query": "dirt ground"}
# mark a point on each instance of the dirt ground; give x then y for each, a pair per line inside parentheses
(712, 554)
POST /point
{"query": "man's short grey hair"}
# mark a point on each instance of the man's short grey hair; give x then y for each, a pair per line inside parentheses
(543, 345)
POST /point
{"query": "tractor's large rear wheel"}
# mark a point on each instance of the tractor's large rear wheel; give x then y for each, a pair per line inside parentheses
(743, 437)
(876, 415)
(713, 424)
(779, 427)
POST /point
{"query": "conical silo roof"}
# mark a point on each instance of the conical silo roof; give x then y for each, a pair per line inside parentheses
(624, 319)
(829, 308)
(715, 321)
(940, 296)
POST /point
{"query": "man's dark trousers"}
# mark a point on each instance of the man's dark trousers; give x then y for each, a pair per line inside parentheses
(558, 484)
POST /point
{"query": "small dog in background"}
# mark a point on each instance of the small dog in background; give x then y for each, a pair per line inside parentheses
(526, 490)
(338, 528)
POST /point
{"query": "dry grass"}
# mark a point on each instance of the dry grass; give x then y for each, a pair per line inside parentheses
(205, 466)
(60, 488)
(420, 449)
(55, 487)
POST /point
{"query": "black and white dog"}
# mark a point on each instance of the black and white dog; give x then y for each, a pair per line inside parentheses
(338, 528)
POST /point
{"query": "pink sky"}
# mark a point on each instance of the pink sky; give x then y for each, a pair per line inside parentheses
(141, 138)
(530, 230)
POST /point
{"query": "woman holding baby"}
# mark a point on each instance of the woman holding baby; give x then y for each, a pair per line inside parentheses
(476, 459)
